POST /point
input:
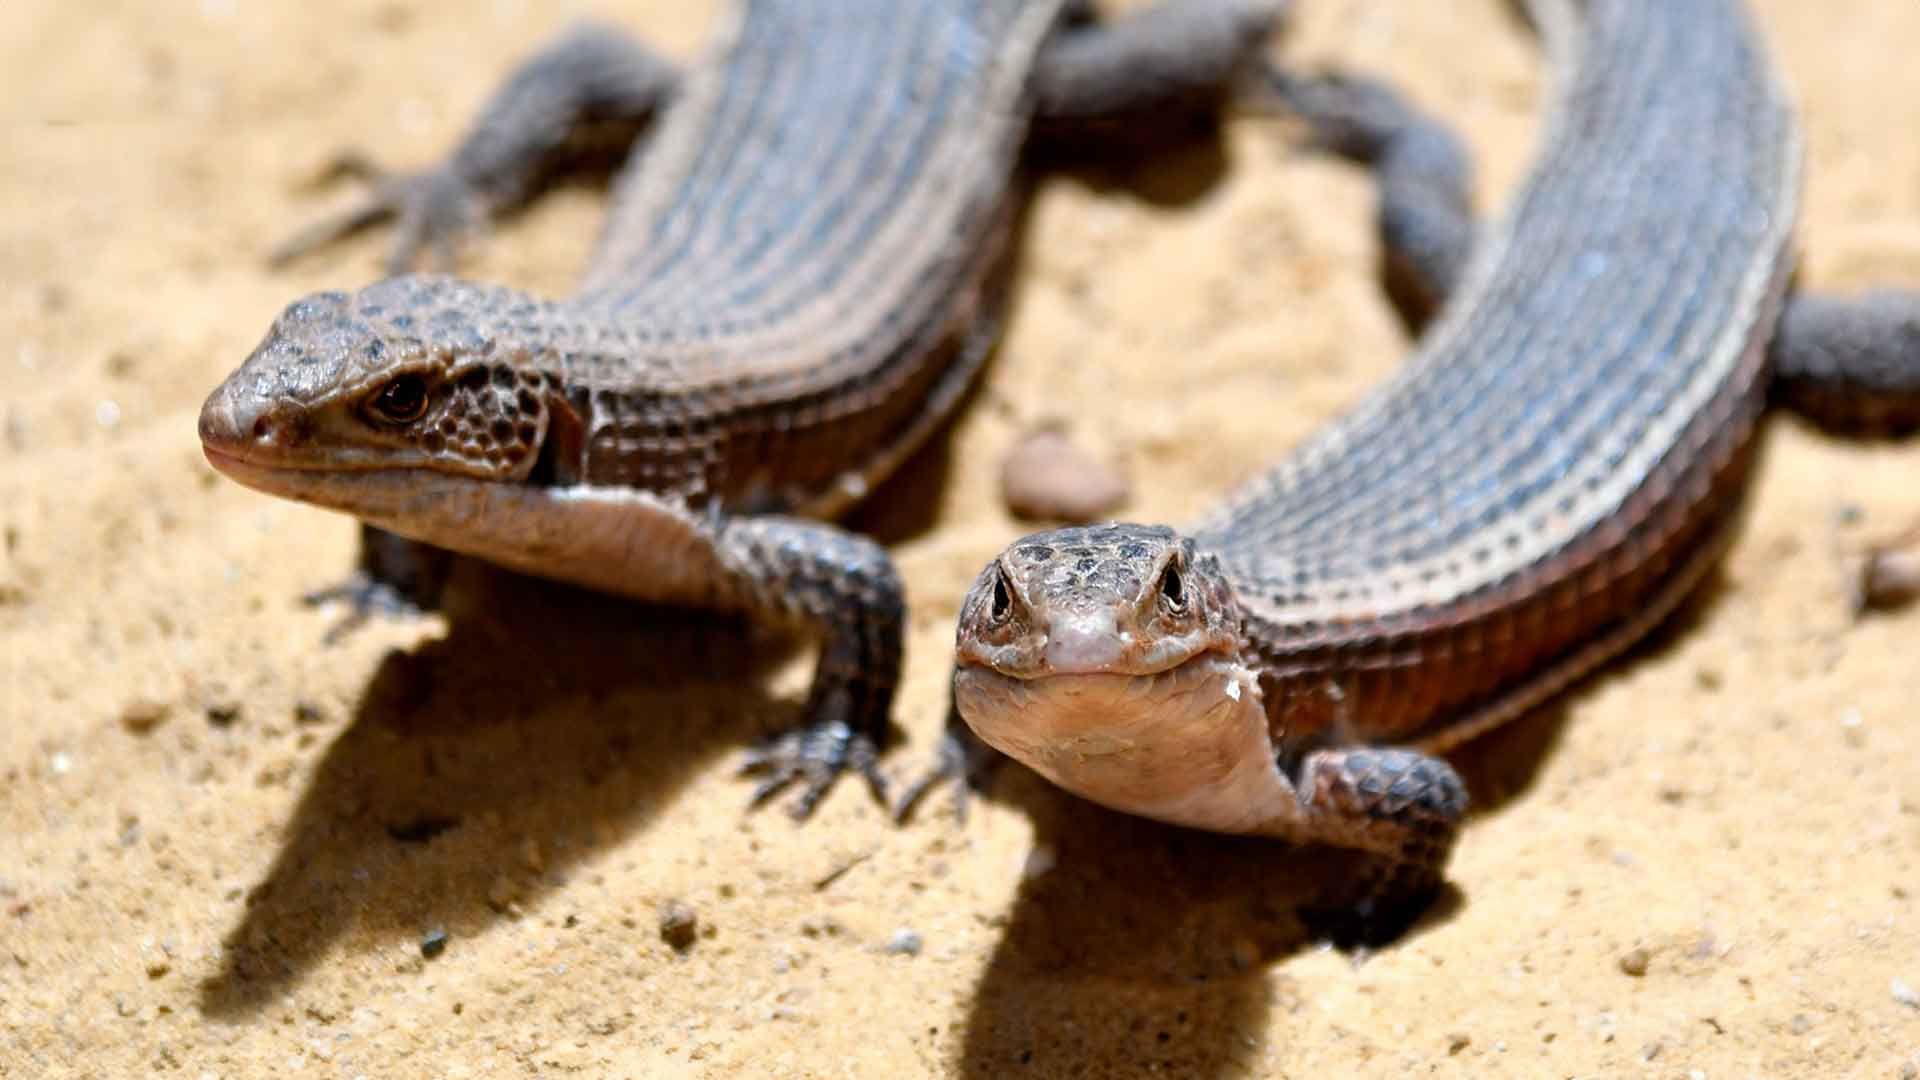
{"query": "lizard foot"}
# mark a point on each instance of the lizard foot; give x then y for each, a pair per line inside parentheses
(434, 208)
(963, 761)
(814, 756)
(397, 578)
(366, 596)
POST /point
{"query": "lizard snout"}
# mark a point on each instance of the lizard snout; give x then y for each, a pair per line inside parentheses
(237, 423)
(1084, 642)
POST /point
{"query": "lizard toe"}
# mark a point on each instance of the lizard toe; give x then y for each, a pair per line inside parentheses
(815, 757)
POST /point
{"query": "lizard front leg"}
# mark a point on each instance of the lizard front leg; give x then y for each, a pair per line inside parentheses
(1403, 809)
(396, 576)
(844, 588)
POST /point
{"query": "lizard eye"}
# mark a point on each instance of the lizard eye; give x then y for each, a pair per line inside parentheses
(1173, 588)
(1002, 598)
(401, 401)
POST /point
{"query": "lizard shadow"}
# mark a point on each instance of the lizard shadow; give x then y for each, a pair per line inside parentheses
(481, 767)
(1135, 947)
(1164, 168)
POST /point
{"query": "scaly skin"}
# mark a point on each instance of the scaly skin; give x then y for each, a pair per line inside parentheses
(801, 274)
(1550, 475)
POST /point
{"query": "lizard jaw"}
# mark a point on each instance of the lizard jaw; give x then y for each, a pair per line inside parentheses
(1188, 745)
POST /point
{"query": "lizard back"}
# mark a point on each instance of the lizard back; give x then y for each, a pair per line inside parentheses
(807, 254)
(1560, 454)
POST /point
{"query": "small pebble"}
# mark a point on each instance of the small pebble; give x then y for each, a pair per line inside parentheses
(1046, 477)
(820, 926)
(433, 944)
(904, 942)
(1889, 579)
(1800, 1025)
(223, 715)
(679, 926)
(142, 715)
(1457, 1042)
(1904, 994)
(1634, 962)
(157, 967)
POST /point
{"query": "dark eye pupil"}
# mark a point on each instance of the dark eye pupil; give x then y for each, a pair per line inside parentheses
(403, 398)
(1172, 587)
(1002, 602)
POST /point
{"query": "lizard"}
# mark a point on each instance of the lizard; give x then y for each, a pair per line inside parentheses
(1558, 465)
(801, 273)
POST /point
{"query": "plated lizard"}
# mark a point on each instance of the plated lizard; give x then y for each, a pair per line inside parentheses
(801, 274)
(1559, 464)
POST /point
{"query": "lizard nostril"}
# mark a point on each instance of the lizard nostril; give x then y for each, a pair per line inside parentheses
(263, 429)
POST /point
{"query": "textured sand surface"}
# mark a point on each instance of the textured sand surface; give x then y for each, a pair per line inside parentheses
(223, 845)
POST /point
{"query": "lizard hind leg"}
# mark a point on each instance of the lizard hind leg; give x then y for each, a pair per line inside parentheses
(591, 90)
(1424, 213)
(1153, 75)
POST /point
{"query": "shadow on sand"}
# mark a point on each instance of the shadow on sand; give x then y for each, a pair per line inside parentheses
(1145, 949)
(488, 762)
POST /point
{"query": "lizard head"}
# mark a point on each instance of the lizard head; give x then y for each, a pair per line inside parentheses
(402, 375)
(1106, 599)
(1109, 659)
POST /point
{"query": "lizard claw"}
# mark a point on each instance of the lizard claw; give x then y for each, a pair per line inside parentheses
(962, 760)
(366, 596)
(434, 208)
(814, 755)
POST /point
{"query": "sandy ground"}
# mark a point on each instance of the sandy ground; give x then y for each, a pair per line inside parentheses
(222, 845)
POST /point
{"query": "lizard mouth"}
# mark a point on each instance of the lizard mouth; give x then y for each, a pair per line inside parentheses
(302, 480)
(1077, 646)
(245, 470)
(1085, 710)
(395, 497)
(231, 461)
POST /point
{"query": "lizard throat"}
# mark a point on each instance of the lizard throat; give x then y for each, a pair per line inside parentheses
(1188, 745)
